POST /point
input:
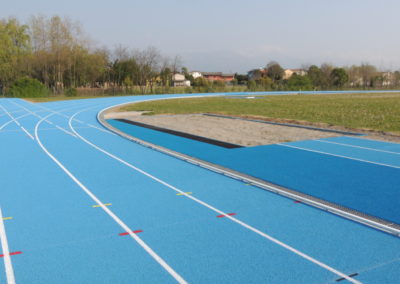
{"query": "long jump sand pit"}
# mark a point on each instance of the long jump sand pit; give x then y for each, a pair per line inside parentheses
(241, 132)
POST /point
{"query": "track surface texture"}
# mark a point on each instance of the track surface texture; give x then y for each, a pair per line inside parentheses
(79, 204)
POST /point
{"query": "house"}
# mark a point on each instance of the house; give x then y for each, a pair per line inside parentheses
(218, 76)
(388, 78)
(195, 74)
(179, 80)
(257, 74)
(287, 73)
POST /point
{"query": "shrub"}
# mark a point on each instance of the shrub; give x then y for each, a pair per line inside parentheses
(71, 92)
(27, 87)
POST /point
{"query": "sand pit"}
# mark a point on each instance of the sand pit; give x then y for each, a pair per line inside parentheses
(245, 133)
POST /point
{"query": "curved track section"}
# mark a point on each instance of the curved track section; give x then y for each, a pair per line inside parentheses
(83, 205)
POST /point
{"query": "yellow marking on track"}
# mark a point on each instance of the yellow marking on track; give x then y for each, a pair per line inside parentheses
(184, 193)
(107, 204)
(249, 183)
(7, 218)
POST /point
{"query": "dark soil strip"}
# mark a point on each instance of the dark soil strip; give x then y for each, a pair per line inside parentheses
(183, 134)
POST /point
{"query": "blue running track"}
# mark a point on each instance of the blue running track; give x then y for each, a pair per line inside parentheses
(70, 190)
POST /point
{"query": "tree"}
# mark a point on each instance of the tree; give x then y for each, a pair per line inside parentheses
(14, 47)
(59, 46)
(26, 87)
(147, 67)
(315, 75)
(274, 71)
(367, 72)
(325, 80)
(299, 83)
(241, 79)
(339, 77)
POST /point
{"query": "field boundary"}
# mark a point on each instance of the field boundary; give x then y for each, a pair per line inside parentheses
(333, 208)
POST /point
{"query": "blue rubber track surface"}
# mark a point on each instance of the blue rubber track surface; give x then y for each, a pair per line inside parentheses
(64, 239)
(361, 178)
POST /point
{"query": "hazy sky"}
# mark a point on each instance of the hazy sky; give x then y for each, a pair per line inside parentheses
(235, 36)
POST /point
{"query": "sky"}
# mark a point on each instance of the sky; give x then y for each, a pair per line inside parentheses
(236, 36)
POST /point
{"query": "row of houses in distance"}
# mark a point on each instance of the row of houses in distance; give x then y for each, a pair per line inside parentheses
(180, 80)
(386, 79)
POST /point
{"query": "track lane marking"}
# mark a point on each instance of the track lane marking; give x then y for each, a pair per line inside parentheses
(27, 133)
(63, 115)
(13, 119)
(340, 156)
(67, 132)
(147, 248)
(6, 252)
(355, 146)
(106, 204)
(272, 239)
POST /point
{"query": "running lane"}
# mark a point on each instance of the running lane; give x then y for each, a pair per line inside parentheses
(63, 237)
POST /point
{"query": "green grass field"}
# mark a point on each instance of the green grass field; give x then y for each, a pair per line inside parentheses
(379, 112)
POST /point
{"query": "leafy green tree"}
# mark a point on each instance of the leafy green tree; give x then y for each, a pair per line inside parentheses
(201, 82)
(315, 75)
(26, 87)
(14, 47)
(264, 83)
(251, 85)
(339, 77)
(301, 83)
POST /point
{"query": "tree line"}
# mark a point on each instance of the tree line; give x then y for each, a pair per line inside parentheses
(324, 77)
(54, 55)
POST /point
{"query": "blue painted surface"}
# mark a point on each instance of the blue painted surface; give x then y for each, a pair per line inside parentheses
(366, 187)
(64, 239)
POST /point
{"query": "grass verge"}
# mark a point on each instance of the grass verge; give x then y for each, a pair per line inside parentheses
(379, 112)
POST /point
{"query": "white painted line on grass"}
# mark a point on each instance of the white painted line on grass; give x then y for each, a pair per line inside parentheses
(272, 239)
(340, 156)
(148, 249)
(356, 146)
(6, 252)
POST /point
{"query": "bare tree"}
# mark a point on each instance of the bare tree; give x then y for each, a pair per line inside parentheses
(148, 63)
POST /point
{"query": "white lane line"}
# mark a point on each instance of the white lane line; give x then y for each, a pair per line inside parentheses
(40, 117)
(98, 128)
(13, 119)
(272, 239)
(63, 115)
(6, 252)
(62, 129)
(340, 156)
(148, 249)
(356, 146)
(27, 133)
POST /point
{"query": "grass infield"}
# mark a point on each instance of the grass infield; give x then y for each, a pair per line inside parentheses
(379, 112)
